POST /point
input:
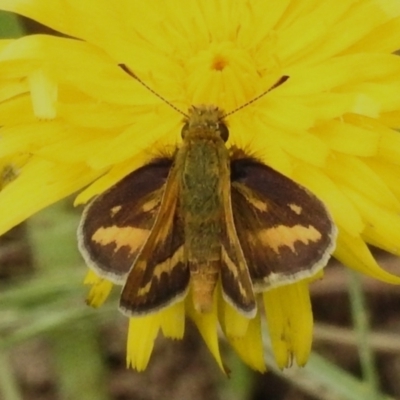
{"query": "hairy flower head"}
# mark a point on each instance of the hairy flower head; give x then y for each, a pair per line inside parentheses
(71, 117)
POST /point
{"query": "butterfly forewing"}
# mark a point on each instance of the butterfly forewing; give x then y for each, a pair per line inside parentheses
(115, 226)
(160, 275)
(285, 232)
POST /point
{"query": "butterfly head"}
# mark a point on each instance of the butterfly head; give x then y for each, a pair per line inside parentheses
(204, 121)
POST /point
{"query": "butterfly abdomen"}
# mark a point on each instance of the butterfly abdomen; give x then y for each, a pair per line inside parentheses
(203, 277)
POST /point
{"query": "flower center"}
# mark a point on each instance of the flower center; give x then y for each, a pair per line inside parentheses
(221, 74)
(219, 63)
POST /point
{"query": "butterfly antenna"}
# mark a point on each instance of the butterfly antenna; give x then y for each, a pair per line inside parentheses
(279, 82)
(133, 75)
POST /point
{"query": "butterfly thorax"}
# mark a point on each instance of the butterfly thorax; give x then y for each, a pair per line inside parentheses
(201, 200)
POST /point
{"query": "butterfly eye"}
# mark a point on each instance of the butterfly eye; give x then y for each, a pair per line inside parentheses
(184, 130)
(223, 131)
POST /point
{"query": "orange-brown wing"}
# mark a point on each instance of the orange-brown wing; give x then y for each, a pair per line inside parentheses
(160, 275)
(117, 223)
(286, 233)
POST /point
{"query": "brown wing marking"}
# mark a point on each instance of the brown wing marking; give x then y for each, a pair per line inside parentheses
(160, 275)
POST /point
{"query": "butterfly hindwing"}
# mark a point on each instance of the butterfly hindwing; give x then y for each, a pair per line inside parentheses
(117, 223)
(285, 232)
(236, 284)
(160, 275)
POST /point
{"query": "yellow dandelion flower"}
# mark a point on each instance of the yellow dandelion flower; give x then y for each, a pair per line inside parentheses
(71, 116)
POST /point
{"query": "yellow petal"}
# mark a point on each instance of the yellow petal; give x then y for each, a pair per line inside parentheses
(142, 333)
(113, 176)
(389, 146)
(17, 111)
(250, 346)
(4, 43)
(384, 39)
(250, 134)
(296, 26)
(389, 173)
(44, 94)
(29, 137)
(76, 148)
(386, 95)
(276, 107)
(330, 105)
(207, 324)
(91, 278)
(339, 72)
(344, 212)
(56, 182)
(374, 15)
(290, 322)
(98, 75)
(10, 88)
(260, 26)
(348, 138)
(390, 118)
(99, 291)
(232, 323)
(173, 321)
(148, 136)
(71, 18)
(354, 173)
(354, 253)
(10, 168)
(83, 112)
(305, 147)
(383, 227)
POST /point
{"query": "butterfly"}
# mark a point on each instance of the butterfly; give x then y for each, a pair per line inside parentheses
(206, 215)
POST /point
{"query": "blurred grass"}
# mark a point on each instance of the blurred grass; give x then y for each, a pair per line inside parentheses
(74, 335)
(9, 388)
(51, 305)
(360, 318)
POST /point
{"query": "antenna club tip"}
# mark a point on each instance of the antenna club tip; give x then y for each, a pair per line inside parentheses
(127, 70)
